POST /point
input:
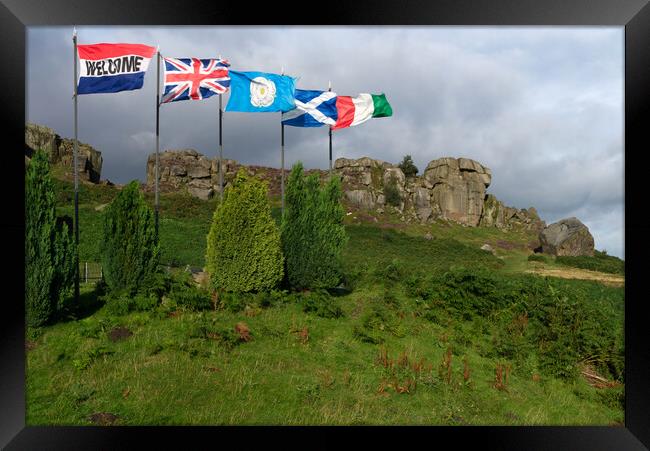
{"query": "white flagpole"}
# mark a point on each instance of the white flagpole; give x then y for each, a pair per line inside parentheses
(329, 88)
(76, 175)
(220, 147)
(282, 157)
(157, 137)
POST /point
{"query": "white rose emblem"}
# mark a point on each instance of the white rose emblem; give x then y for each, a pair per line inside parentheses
(262, 92)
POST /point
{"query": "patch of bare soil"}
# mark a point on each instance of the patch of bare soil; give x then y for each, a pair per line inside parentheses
(103, 418)
(583, 274)
(119, 333)
(244, 332)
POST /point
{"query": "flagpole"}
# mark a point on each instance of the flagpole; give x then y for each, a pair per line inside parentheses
(157, 138)
(329, 88)
(220, 147)
(282, 159)
(76, 175)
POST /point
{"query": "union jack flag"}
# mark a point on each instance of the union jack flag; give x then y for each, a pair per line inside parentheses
(194, 78)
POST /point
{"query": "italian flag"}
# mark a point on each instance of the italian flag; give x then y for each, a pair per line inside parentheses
(357, 110)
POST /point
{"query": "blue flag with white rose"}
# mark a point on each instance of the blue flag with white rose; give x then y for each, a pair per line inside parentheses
(261, 92)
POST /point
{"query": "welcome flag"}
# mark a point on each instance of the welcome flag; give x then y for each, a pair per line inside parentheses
(313, 109)
(355, 111)
(112, 67)
(261, 92)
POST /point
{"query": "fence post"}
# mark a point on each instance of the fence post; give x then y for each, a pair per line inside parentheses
(86, 272)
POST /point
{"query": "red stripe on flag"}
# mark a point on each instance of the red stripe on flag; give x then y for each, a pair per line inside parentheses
(103, 51)
(345, 111)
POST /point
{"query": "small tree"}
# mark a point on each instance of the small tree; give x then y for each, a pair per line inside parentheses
(130, 250)
(243, 245)
(313, 234)
(50, 253)
(391, 192)
(408, 167)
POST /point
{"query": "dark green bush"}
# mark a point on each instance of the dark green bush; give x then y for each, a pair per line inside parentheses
(391, 192)
(389, 272)
(234, 302)
(119, 305)
(408, 167)
(186, 294)
(375, 322)
(129, 249)
(50, 251)
(321, 304)
(537, 258)
(313, 235)
(563, 322)
(243, 246)
(145, 302)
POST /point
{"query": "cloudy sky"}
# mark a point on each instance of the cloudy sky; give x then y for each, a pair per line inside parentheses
(542, 107)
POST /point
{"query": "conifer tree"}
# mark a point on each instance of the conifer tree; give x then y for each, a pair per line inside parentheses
(243, 246)
(50, 252)
(313, 234)
(130, 250)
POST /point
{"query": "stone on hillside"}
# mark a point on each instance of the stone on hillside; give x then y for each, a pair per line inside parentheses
(60, 151)
(458, 188)
(361, 198)
(486, 247)
(568, 237)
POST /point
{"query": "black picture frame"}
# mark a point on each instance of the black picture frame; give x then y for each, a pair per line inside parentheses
(634, 15)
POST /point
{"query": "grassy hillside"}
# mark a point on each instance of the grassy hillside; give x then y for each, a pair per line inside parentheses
(423, 331)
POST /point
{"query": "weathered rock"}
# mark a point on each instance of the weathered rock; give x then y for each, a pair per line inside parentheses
(496, 214)
(60, 151)
(486, 247)
(458, 188)
(361, 198)
(567, 237)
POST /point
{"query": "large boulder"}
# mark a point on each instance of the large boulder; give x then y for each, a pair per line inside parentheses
(60, 151)
(458, 188)
(567, 237)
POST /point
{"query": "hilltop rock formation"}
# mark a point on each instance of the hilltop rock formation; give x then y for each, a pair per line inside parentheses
(567, 237)
(452, 189)
(191, 171)
(61, 152)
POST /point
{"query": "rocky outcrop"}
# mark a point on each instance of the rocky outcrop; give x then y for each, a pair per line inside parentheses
(567, 237)
(190, 171)
(458, 188)
(452, 189)
(61, 152)
(496, 214)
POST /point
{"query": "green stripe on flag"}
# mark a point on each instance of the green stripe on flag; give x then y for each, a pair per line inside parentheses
(382, 107)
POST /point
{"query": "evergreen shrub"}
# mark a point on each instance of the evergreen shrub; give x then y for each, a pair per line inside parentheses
(243, 246)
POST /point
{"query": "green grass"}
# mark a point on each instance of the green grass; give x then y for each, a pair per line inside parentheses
(599, 262)
(164, 374)
(407, 297)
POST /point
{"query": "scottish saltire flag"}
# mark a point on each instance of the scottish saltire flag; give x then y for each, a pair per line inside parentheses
(194, 78)
(357, 110)
(261, 92)
(313, 109)
(112, 67)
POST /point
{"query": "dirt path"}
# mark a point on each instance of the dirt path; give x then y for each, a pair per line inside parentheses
(576, 273)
